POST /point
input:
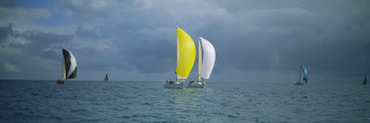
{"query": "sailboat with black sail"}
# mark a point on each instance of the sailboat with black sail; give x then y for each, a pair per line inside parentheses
(205, 68)
(185, 52)
(303, 70)
(69, 66)
(365, 81)
(106, 79)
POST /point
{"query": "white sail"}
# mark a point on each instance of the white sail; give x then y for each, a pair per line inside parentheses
(70, 64)
(209, 58)
(63, 70)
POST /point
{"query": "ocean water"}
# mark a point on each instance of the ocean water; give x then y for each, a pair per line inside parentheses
(94, 101)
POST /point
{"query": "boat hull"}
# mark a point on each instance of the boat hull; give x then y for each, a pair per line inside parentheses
(299, 83)
(174, 84)
(197, 85)
(60, 81)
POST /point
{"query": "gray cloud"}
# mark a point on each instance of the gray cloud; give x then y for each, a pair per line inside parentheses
(28, 53)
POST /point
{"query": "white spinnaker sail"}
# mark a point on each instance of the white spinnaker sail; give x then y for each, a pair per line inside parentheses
(70, 64)
(73, 66)
(209, 58)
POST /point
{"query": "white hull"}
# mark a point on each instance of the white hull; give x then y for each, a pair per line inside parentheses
(197, 85)
(174, 84)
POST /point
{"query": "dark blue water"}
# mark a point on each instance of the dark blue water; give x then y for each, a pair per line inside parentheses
(89, 101)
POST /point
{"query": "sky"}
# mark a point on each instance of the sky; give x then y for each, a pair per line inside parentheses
(135, 40)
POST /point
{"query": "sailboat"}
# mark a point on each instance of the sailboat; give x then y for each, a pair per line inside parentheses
(365, 81)
(305, 76)
(185, 60)
(205, 68)
(106, 79)
(69, 66)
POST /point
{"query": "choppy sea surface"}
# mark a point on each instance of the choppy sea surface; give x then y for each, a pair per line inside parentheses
(95, 101)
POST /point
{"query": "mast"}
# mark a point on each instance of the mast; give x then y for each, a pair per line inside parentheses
(63, 70)
(199, 60)
(299, 75)
(177, 51)
(365, 81)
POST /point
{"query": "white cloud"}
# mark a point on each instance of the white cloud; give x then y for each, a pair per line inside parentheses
(11, 68)
(15, 41)
(12, 43)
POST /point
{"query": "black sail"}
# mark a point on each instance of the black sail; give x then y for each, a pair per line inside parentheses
(74, 74)
(106, 79)
(70, 63)
(365, 81)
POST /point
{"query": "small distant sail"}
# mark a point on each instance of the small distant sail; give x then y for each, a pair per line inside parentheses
(305, 74)
(69, 68)
(365, 81)
(185, 54)
(106, 79)
(209, 58)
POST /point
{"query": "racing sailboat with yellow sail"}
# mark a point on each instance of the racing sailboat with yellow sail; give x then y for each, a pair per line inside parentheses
(186, 53)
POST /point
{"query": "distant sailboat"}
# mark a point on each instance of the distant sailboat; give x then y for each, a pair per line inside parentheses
(106, 79)
(365, 81)
(305, 76)
(69, 66)
(205, 68)
(185, 60)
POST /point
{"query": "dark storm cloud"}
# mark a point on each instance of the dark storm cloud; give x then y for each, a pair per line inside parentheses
(5, 31)
(341, 58)
(326, 36)
(149, 55)
(28, 51)
(139, 48)
(7, 3)
(143, 33)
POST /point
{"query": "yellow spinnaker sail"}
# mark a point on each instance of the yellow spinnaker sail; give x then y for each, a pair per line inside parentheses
(185, 54)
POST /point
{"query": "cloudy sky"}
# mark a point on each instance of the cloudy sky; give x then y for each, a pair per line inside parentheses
(255, 40)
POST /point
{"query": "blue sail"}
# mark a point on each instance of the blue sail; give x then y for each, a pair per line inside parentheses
(305, 76)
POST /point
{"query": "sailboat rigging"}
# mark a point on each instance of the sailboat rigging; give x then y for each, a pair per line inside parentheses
(365, 81)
